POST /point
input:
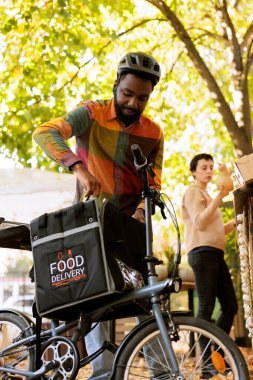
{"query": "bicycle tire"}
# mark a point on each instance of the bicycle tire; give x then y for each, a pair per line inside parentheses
(193, 362)
(13, 328)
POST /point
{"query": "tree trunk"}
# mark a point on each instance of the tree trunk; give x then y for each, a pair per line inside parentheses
(240, 136)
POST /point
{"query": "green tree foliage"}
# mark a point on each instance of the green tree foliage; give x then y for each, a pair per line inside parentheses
(50, 52)
(54, 53)
(217, 37)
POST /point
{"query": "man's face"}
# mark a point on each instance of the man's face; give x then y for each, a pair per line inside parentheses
(131, 97)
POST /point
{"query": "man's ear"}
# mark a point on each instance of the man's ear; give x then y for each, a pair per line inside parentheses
(114, 89)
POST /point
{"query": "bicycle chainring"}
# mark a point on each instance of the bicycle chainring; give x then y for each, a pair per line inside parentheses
(64, 352)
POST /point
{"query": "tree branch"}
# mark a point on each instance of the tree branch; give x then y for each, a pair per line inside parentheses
(237, 57)
(236, 4)
(248, 38)
(69, 81)
(238, 135)
(210, 34)
(245, 89)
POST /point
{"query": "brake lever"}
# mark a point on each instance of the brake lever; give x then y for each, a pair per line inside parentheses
(158, 202)
(163, 214)
(150, 170)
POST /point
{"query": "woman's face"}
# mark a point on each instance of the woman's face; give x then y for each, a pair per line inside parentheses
(204, 171)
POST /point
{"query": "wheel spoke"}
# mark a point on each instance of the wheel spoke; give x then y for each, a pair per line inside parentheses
(202, 352)
(12, 330)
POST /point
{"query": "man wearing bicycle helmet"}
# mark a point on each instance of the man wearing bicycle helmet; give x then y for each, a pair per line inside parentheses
(103, 163)
(105, 131)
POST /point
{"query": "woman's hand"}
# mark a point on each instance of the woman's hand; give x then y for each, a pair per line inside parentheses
(230, 226)
(223, 192)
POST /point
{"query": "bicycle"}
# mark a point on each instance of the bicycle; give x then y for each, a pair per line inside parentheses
(166, 345)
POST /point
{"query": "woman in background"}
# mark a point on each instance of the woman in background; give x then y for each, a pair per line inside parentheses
(205, 244)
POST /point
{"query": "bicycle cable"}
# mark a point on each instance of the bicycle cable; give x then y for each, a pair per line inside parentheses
(173, 216)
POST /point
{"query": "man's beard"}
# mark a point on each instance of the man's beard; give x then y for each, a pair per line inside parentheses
(126, 119)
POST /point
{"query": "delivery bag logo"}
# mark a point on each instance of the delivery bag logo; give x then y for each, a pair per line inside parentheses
(67, 266)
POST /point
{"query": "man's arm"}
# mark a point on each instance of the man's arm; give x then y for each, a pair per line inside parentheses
(91, 185)
(51, 137)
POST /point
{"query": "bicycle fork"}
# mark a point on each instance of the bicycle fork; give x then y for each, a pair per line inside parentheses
(155, 299)
(166, 342)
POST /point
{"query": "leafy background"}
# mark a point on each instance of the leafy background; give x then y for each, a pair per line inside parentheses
(53, 54)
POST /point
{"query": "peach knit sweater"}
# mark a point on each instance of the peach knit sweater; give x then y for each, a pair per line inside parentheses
(203, 223)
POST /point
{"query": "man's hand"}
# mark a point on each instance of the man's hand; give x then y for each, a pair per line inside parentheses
(139, 215)
(90, 184)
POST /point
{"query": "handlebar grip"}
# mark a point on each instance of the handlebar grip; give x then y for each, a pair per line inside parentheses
(139, 159)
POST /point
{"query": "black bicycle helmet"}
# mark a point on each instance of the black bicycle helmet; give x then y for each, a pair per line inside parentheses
(142, 63)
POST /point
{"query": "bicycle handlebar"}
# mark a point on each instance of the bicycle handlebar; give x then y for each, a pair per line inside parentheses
(140, 161)
(141, 164)
(142, 167)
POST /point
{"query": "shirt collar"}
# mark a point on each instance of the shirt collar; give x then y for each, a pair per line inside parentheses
(110, 110)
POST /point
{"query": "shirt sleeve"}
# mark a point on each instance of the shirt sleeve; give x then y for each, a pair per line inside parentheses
(52, 136)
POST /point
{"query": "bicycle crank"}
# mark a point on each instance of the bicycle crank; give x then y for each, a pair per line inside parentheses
(65, 353)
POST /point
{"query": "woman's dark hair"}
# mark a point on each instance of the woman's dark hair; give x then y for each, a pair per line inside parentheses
(197, 158)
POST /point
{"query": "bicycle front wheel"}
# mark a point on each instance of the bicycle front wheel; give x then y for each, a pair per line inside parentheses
(203, 351)
(14, 328)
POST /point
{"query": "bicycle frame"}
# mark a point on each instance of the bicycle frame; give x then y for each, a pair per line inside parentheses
(151, 261)
(152, 291)
(163, 287)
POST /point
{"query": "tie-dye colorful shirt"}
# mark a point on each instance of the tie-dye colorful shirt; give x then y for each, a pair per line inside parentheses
(103, 144)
